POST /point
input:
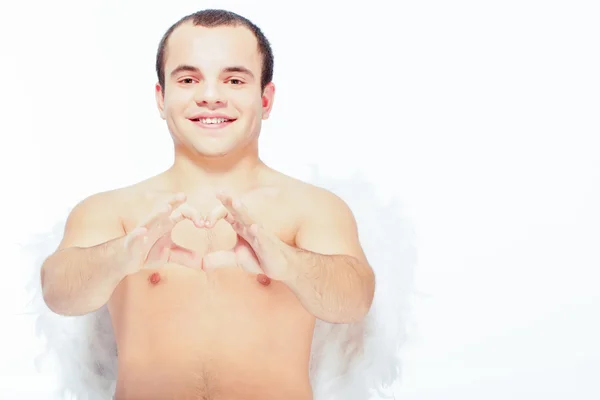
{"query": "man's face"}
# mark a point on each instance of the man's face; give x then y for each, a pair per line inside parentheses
(213, 73)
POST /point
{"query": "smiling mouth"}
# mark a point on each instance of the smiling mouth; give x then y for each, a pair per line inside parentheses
(212, 123)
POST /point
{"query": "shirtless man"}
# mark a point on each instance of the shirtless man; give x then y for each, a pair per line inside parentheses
(215, 270)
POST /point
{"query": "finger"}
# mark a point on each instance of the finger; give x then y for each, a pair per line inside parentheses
(219, 259)
(219, 212)
(240, 229)
(257, 236)
(135, 235)
(160, 223)
(267, 246)
(224, 198)
(165, 208)
(185, 211)
(230, 219)
(241, 212)
(261, 234)
(165, 218)
(177, 200)
(247, 258)
(236, 209)
(227, 202)
(157, 255)
(185, 257)
(146, 221)
(149, 230)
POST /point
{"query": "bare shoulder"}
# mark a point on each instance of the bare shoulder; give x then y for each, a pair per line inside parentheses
(314, 202)
(97, 205)
(326, 223)
(98, 218)
(113, 202)
(327, 208)
(94, 220)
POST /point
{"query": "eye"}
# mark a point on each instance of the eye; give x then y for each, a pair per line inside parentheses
(186, 80)
(236, 82)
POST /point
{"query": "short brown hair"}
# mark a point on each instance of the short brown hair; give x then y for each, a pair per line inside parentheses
(212, 18)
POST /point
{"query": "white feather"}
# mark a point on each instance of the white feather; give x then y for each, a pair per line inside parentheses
(348, 361)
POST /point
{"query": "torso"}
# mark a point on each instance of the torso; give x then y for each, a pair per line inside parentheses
(219, 335)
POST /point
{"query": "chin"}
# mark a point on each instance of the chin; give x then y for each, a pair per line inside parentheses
(214, 154)
(214, 151)
(213, 147)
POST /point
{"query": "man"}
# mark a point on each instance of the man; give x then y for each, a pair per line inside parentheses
(215, 270)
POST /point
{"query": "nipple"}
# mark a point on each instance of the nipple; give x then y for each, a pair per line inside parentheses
(154, 278)
(263, 279)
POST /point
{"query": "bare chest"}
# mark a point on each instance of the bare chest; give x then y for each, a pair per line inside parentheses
(219, 319)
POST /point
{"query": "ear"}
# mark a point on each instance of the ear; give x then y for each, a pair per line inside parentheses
(268, 98)
(160, 100)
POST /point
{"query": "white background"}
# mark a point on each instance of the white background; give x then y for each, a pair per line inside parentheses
(481, 116)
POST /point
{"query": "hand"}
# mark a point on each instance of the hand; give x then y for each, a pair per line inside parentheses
(256, 250)
(150, 244)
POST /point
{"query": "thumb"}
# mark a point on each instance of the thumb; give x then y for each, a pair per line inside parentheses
(186, 257)
(260, 237)
(135, 236)
(219, 259)
(219, 212)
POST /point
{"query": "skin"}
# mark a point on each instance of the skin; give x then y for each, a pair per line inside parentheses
(251, 257)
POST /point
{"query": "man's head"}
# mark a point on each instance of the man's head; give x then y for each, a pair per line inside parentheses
(214, 63)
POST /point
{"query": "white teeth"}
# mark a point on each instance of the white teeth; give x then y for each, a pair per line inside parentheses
(213, 120)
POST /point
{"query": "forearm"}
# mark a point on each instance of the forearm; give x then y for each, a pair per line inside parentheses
(77, 281)
(334, 288)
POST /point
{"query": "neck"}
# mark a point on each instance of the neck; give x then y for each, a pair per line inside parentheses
(232, 172)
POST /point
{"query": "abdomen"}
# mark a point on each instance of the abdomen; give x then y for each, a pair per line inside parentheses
(220, 334)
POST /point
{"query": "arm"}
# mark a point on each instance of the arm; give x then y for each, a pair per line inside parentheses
(82, 274)
(329, 272)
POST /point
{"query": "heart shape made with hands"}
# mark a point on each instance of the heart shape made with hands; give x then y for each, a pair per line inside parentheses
(256, 250)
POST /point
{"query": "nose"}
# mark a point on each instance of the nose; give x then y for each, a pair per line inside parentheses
(208, 95)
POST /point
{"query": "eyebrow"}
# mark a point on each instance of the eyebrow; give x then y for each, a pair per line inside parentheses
(190, 68)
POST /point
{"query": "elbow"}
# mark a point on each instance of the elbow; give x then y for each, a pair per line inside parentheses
(369, 291)
(59, 305)
(363, 300)
(364, 307)
(52, 302)
(354, 314)
(366, 300)
(47, 293)
(50, 297)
